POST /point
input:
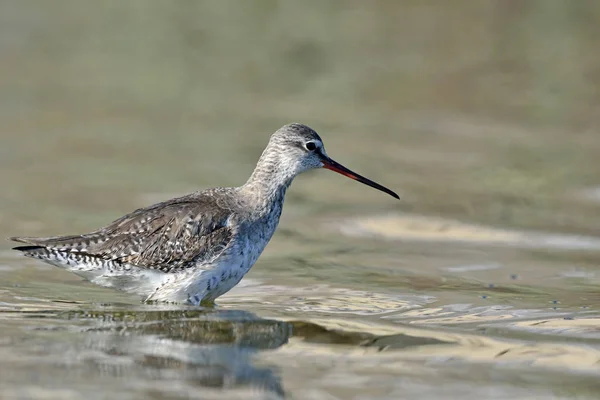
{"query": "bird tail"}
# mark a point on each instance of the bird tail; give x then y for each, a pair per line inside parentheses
(33, 251)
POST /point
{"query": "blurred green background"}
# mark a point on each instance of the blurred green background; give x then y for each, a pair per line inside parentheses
(485, 110)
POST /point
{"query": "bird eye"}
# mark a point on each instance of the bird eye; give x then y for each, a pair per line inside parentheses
(310, 146)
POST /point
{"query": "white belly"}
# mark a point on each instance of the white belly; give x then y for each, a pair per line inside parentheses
(207, 282)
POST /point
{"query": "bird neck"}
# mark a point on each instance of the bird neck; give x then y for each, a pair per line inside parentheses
(270, 179)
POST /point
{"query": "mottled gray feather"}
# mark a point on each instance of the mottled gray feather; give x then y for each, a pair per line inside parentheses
(167, 236)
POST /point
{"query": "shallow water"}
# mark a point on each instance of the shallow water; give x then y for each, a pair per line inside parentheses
(482, 282)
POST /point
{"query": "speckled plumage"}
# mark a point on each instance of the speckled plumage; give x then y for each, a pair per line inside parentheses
(192, 248)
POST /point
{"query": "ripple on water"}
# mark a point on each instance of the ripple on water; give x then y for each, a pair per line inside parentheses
(473, 267)
(565, 327)
(325, 299)
(446, 349)
(414, 227)
(468, 314)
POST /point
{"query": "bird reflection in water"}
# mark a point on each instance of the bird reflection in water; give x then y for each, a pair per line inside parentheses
(209, 348)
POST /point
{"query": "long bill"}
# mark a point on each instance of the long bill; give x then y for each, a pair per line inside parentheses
(340, 169)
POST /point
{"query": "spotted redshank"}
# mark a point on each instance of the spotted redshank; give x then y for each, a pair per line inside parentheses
(194, 248)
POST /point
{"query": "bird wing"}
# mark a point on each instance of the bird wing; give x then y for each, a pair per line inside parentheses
(167, 236)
